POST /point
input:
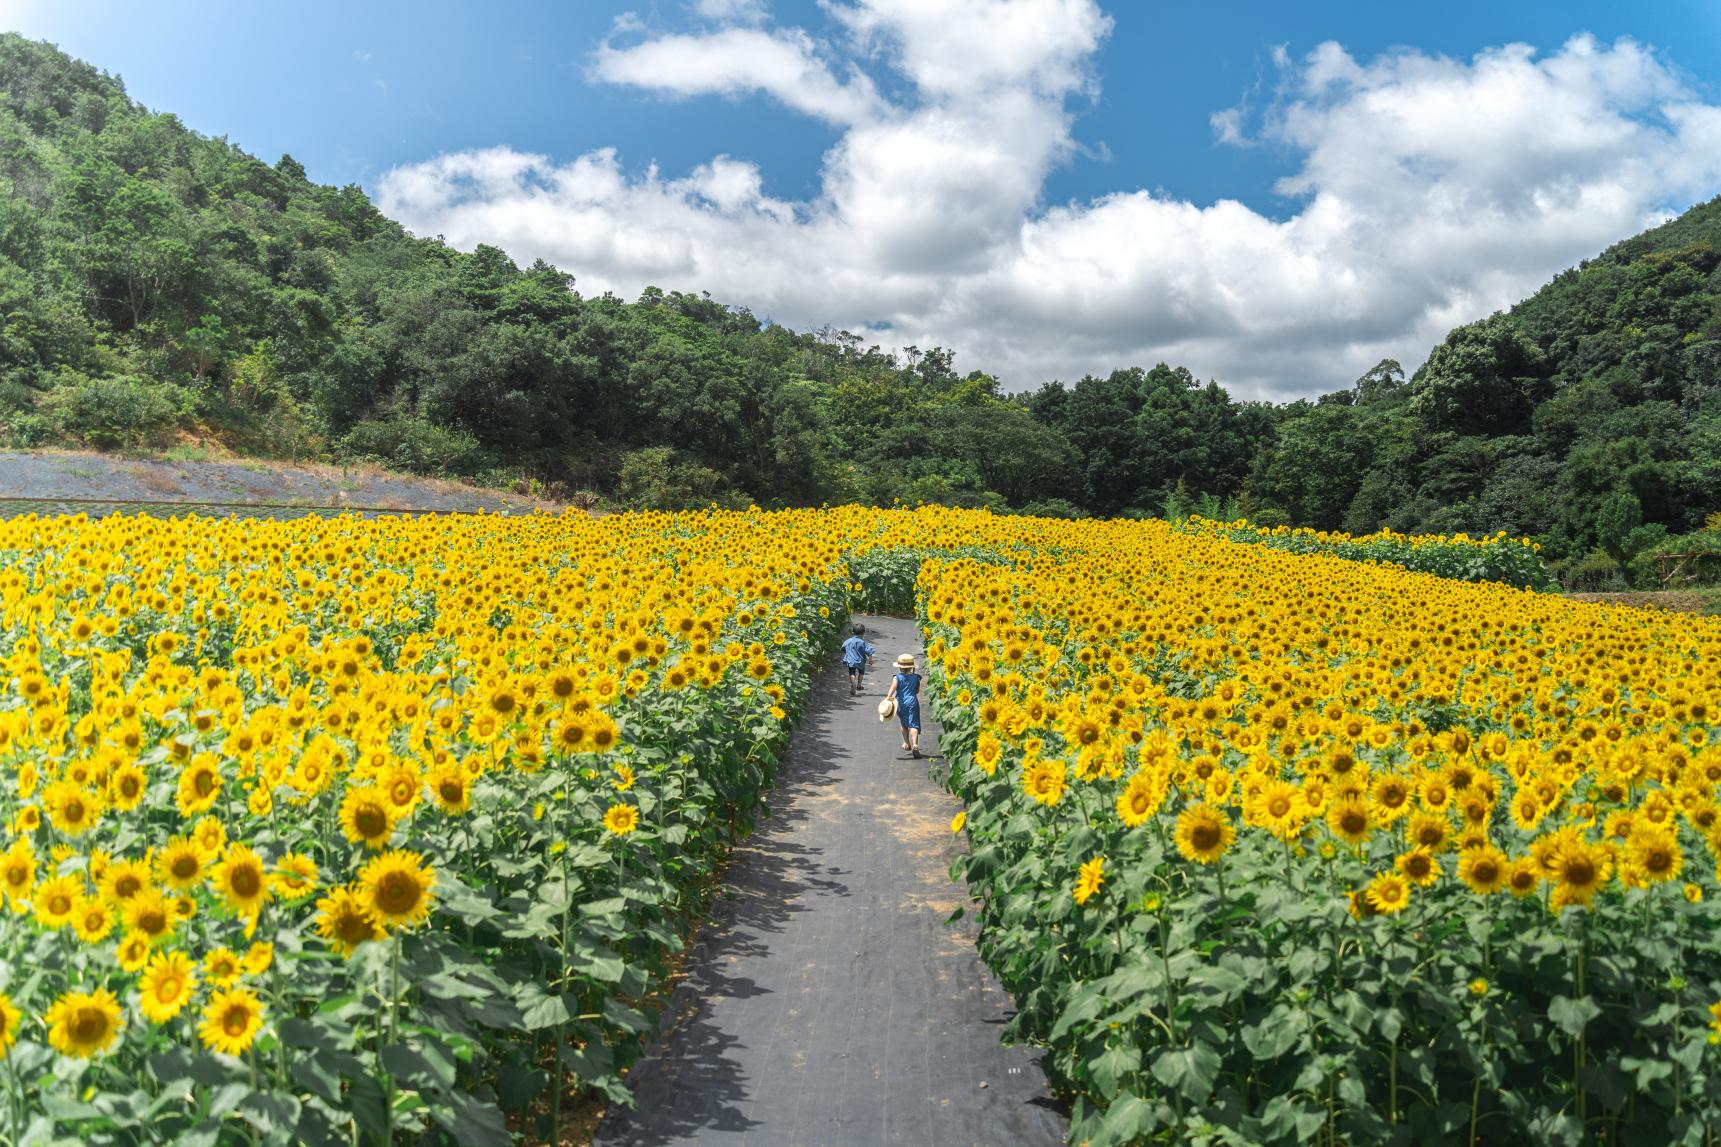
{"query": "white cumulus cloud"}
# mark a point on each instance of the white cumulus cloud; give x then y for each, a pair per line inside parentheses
(1426, 191)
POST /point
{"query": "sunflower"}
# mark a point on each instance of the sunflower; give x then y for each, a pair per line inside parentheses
(986, 753)
(258, 958)
(1428, 830)
(231, 1021)
(395, 889)
(452, 789)
(133, 952)
(605, 733)
(623, 780)
(210, 833)
(222, 966)
(167, 986)
(1653, 855)
(10, 1019)
(56, 900)
(241, 880)
(93, 920)
(1089, 879)
(959, 821)
(1203, 833)
(199, 786)
(1483, 870)
(621, 819)
(180, 863)
(572, 734)
(342, 923)
(1044, 781)
(1388, 893)
(126, 787)
(83, 1024)
(1391, 793)
(1348, 819)
(151, 914)
(18, 871)
(1419, 866)
(1579, 870)
(1140, 799)
(367, 817)
(1527, 810)
(1523, 876)
(295, 876)
(72, 808)
(403, 785)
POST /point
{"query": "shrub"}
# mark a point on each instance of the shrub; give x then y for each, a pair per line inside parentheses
(1052, 508)
(115, 413)
(657, 479)
(1595, 572)
(415, 445)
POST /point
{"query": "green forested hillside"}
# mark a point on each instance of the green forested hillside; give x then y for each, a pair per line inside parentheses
(1590, 413)
(156, 283)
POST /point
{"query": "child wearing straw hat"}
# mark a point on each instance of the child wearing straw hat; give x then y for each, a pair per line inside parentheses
(905, 692)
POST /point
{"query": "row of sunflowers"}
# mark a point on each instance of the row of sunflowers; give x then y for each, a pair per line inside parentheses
(346, 830)
(1282, 848)
(1487, 557)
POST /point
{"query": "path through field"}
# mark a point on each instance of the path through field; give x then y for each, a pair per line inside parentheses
(826, 1001)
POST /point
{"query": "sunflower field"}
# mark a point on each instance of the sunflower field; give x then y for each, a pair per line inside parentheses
(1280, 848)
(365, 831)
(340, 830)
(1491, 557)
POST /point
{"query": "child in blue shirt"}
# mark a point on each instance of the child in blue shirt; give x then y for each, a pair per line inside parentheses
(905, 690)
(857, 654)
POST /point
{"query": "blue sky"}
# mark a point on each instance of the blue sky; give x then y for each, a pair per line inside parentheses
(371, 92)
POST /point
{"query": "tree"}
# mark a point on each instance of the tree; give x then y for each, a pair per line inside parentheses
(1621, 532)
(1485, 379)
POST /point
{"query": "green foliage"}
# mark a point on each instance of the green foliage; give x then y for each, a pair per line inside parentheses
(1621, 531)
(416, 446)
(1511, 561)
(657, 479)
(115, 412)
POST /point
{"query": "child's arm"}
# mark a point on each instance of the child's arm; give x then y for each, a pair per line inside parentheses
(891, 692)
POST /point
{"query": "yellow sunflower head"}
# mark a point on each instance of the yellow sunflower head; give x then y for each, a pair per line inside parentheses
(231, 1021)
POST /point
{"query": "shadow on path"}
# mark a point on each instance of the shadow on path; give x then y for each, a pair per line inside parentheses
(826, 1001)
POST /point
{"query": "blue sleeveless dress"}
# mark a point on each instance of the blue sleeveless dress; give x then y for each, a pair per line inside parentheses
(908, 700)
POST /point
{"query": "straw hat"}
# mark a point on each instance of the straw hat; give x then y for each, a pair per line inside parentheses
(886, 709)
(906, 661)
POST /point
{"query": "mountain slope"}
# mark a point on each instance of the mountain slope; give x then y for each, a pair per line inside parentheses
(1601, 389)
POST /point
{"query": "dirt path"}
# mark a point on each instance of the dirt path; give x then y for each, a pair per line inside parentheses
(826, 1001)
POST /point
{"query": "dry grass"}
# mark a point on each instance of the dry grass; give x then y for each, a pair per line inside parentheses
(1699, 601)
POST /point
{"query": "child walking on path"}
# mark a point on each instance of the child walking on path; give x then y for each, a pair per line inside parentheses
(857, 655)
(905, 691)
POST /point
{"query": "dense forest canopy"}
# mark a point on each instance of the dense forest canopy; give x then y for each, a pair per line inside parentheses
(157, 283)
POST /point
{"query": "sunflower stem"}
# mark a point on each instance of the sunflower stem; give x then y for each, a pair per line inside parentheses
(250, 1125)
(556, 1052)
(393, 1027)
(1578, 954)
(1170, 998)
